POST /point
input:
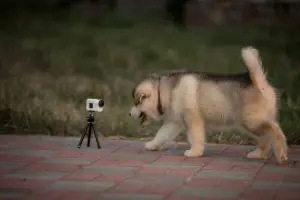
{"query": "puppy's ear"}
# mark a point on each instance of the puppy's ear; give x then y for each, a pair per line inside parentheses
(154, 76)
(133, 92)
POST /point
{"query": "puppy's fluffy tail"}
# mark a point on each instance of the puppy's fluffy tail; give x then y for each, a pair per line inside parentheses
(253, 62)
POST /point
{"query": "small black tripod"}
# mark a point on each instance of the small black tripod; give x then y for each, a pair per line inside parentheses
(88, 129)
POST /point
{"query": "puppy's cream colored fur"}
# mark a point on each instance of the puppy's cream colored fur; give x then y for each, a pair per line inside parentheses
(195, 101)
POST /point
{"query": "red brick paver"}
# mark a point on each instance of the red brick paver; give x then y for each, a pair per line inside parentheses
(40, 167)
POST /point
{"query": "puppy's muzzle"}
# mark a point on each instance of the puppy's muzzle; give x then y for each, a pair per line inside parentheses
(136, 113)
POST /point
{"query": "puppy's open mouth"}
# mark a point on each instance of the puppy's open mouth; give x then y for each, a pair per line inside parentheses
(142, 117)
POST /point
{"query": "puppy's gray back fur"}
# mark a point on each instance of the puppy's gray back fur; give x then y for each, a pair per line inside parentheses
(219, 97)
(243, 79)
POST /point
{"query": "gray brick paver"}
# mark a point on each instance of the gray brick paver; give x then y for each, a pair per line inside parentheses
(74, 161)
(127, 156)
(130, 197)
(109, 169)
(267, 185)
(233, 175)
(282, 170)
(155, 180)
(39, 175)
(182, 165)
(237, 161)
(13, 193)
(209, 192)
(11, 166)
(35, 153)
(82, 185)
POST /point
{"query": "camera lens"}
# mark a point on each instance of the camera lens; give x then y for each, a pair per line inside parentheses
(101, 103)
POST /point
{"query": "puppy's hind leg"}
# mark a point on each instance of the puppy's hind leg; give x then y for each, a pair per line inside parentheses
(279, 143)
(168, 132)
(271, 136)
(195, 133)
(262, 150)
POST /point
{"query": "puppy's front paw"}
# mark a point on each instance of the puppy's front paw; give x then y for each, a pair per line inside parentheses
(282, 157)
(255, 154)
(151, 146)
(192, 153)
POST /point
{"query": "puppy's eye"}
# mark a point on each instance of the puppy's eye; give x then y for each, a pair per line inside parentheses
(138, 100)
(142, 98)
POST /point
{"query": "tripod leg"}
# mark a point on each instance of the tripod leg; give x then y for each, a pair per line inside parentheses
(82, 136)
(89, 135)
(96, 136)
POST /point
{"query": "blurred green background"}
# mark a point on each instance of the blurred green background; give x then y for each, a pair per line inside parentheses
(53, 58)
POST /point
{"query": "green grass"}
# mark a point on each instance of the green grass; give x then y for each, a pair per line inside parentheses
(50, 63)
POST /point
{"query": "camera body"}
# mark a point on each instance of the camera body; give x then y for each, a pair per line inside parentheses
(94, 105)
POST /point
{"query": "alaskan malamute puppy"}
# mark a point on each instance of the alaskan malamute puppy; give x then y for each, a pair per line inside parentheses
(194, 101)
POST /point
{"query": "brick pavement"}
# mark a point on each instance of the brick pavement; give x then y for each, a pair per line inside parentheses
(52, 168)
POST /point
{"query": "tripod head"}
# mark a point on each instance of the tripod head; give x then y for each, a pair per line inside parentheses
(90, 118)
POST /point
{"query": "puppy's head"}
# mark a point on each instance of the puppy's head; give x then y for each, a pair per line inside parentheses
(145, 101)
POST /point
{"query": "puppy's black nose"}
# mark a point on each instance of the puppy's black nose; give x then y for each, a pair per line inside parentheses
(129, 114)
